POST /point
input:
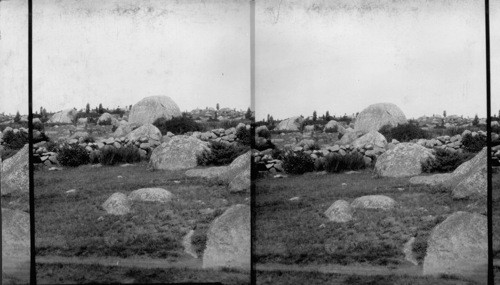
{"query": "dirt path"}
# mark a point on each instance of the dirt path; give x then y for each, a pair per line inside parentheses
(359, 269)
(189, 263)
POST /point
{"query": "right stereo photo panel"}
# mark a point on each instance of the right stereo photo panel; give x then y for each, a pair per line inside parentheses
(371, 142)
(495, 133)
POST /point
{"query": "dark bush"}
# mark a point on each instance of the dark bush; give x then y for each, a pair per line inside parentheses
(38, 126)
(264, 133)
(72, 155)
(221, 153)
(473, 143)
(52, 146)
(335, 162)
(445, 161)
(244, 136)
(15, 140)
(334, 129)
(8, 153)
(88, 139)
(111, 155)
(297, 163)
(403, 132)
(263, 144)
(177, 125)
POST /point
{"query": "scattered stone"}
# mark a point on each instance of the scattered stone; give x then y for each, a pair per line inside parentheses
(151, 195)
(340, 211)
(374, 202)
(188, 246)
(408, 251)
(294, 199)
(117, 204)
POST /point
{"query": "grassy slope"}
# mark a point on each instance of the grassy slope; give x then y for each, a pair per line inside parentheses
(296, 232)
(76, 225)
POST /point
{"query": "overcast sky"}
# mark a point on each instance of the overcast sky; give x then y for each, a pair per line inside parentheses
(14, 56)
(424, 56)
(341, 56)
(118, 52)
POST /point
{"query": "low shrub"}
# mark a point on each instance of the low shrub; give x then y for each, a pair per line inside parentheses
(473, 143)
(244, 136)
(263, 144)
(297, 163)
(264, 133)
(445, 161)
(335, 162)
(52, 146)
(221, 153)
(333, 129)
(72, 155)
(38, 126)
(403, 132)
(15, 140)
(8, 153)
(111, 155)
(177, 125)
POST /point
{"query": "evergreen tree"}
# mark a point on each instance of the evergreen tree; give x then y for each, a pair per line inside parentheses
(248, 114)
(87, 108)
(217, 107)
(475, 122)
(444, 113)
(327, 116)
(315, 116)
(17, 118)
(101, 109)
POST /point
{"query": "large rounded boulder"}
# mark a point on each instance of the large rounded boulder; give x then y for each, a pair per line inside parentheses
(15, 245)
(459, 246)
(377, 115)
(147, 130)
(228, 240)
(15, 173)
(151, 108)
(178, 153)
(403, 160)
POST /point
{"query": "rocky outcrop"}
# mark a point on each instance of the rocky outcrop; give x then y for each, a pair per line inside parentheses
(15, 173)
(290, 124)
(65, 117)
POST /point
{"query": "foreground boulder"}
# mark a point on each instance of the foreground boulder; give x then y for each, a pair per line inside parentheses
(381, 202)
(340, 211)
(290, 124)
(15, 173)
(151, 195)
(403, 160)
(117, 204)
(228, 240)
(459, 246)
(15, 244)
(66, 116)
(177, 153)
(147, 130)
(151, 108)
(469, 180)
(377, 115)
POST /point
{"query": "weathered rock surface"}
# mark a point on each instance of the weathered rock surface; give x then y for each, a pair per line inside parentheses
(377, 115)
(348, 138)
(290, 124)
(403, 160)
(15, 244)
(64, 116)
(332, 124)
(107, 118)
(151, 195)
(117, 204)
(15, 173)
(147, 130)
(208, 173)
(431, 180)
(178, 153)
(373, 137)
(241, 183)
(228, 240)
(374, 202)
(151, 108)
(340, 211)
(459, 246)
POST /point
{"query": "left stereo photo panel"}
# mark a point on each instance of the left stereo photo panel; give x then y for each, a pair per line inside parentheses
(14, 175)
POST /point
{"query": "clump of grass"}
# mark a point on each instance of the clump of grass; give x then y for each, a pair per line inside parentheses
(73, 155)
(335, 162)
(111, 155)
(297, 163)
(221, 153)
(445, 161)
